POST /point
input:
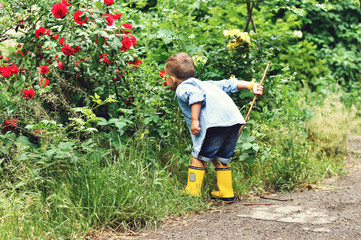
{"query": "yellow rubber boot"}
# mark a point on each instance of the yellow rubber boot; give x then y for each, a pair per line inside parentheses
(195, 180)
(224, 183)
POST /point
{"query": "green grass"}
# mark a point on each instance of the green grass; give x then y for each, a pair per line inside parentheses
(124, 190)
(131, 189)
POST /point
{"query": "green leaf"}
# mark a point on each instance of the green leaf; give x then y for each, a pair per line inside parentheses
(102, 121)
(50, 152)
(153, 118)
(98, 5)
(100, 42)
(18, 83)
(116, 44)
(120, 125)
(91, 130)
(167, 35)
(246, 146)
(66, 146)
(23, 141)
(255, 147)
(243, 157)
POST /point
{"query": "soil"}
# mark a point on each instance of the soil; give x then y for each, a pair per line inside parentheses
(331, 211)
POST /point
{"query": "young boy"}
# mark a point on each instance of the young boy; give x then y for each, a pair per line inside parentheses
(213, 120)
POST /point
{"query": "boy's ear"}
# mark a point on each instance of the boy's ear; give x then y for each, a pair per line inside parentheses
(174, 78)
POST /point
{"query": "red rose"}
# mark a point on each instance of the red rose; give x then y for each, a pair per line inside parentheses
(135, 62)
(28, 94)
(40, 31)
(76, 49)
(80, 20)
(105, 58)
(165, 84)
(129, 101)
(9, 125)
(61, 41)
(12, 69)
(108, 2)
(48, 31)
(44, 82)
(67, 50)
(61, 65)
(43, 69)
(109, 19)
(161, 73)
(55, 36)
(59, 10)
(38, 131)
(21, 23)
(127, 43)
(127, 27)
(17, 53)
(6, 73)
(65, 2)
(116, 16)
(133, 40)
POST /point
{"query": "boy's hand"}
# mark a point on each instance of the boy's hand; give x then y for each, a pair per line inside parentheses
(257, 89)
(195, 129)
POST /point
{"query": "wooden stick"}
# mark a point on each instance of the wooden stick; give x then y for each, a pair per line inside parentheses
(254, 99)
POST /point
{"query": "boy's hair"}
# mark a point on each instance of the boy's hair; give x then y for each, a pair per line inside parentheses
(181, 66)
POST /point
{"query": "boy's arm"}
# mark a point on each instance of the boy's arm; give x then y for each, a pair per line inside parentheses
(195, 110)
(257, 89)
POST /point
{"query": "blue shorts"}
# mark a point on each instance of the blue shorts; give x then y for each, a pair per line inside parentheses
(219, 144)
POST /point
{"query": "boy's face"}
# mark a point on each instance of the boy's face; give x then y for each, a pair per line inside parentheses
(170, 80)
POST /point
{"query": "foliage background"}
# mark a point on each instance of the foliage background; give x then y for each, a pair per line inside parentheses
(114, 154)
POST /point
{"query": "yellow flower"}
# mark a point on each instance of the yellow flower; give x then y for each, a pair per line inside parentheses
(226, 33)
(198, 58)
(239, 38)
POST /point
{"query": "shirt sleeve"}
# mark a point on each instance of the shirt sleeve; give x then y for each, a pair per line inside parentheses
(227, 85)
(190, 94)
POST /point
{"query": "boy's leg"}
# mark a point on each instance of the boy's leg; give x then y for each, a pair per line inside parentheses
(223, 170)
(224, 182)
(196, 171)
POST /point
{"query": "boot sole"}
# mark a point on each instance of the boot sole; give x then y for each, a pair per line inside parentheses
(225, 200)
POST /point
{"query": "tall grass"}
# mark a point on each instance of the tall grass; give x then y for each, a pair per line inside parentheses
(332, 123)
(126, 190)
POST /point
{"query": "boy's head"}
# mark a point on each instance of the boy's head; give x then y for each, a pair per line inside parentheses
(179, 67)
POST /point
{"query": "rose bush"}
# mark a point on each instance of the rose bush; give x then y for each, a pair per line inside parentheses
(58, 61)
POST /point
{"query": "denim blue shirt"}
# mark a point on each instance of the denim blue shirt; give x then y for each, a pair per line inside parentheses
(218, 109)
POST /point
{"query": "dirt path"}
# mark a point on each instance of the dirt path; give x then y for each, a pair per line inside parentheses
(331, 213)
